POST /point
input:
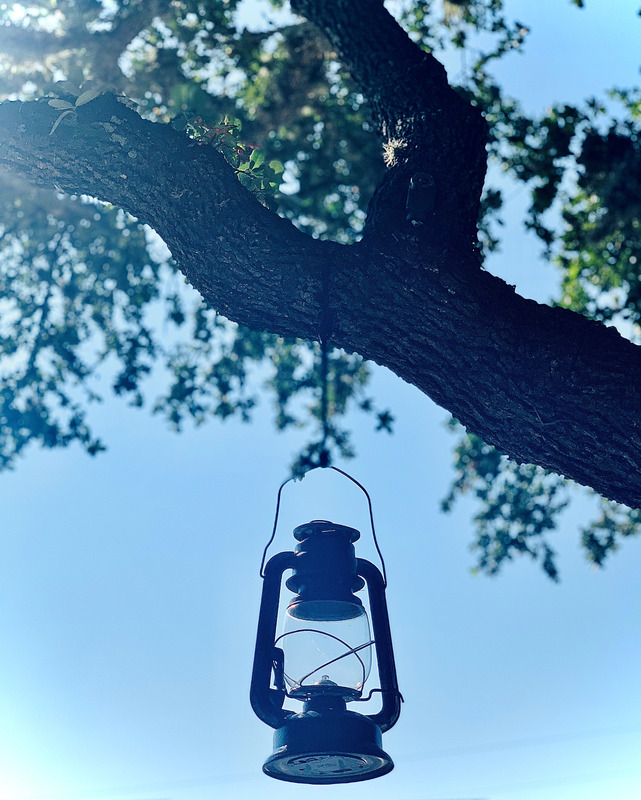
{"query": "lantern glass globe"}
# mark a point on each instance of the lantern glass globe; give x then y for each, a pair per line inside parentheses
(327, 648)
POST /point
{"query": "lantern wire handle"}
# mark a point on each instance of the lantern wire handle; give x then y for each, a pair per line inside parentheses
(273, 536)
(371, 517)
(369, 506)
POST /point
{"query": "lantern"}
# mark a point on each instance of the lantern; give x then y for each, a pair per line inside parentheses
(318, 651)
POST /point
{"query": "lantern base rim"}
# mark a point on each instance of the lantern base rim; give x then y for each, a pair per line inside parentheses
(327, 748)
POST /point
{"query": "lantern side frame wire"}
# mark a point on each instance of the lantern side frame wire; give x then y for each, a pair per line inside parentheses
(266, 702)
(391, 698)
(369, 506)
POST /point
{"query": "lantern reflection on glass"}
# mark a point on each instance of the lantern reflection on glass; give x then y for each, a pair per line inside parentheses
(322, 657)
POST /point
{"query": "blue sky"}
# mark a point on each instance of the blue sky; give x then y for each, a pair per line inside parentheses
(129, 583)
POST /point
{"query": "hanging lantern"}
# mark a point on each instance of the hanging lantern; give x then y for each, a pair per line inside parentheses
(315, 646)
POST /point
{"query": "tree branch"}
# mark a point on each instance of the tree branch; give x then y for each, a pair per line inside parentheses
(127, 24)
(425, 124)
(236, 252)
(544, 385)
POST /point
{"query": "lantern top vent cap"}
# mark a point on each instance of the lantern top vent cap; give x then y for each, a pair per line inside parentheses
(318, 527)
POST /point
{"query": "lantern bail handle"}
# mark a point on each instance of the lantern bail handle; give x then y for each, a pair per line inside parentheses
(369, 505)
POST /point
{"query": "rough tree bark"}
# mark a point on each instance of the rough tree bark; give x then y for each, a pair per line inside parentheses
(543, 384)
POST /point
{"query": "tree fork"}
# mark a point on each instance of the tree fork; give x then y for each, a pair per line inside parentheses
(425, 125)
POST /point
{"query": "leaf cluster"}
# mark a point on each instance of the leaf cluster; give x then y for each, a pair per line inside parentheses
(519, 504)
(248, 161)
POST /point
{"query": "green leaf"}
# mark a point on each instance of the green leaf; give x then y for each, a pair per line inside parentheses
(88, 96)
(257, 157)
(60, 104)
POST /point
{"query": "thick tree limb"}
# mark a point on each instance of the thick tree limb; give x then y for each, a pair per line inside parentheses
(545, 385)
